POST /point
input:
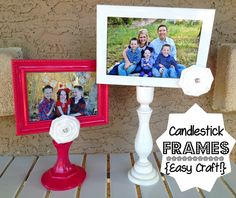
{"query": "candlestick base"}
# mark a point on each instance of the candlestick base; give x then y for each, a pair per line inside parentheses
(143, 174)
(52, 181)
(63, 175)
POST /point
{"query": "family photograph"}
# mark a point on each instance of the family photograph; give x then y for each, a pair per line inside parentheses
(159, 48)
(51, 95)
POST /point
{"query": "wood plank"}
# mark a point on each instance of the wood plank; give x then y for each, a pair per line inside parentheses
(33, 187)
(120, 164)
(218, 190)
(174, 188)
(231, 177)
(95, 184)
(156, 190)
(14, 176)
(75, 159)
(4, 161)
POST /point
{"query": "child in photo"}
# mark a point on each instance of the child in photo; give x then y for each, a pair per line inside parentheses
(147, 63)
(46, 106)
(63, 102)
(165, 64)
(134, 55)
(77, 102)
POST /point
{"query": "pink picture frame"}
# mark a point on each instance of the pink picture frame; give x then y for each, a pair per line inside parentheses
(29, 76)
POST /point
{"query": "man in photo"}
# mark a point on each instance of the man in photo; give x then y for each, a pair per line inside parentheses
(162, 39)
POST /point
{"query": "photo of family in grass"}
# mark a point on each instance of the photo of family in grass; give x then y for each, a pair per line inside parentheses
(150, 46)
(160, 48)
(51, 95)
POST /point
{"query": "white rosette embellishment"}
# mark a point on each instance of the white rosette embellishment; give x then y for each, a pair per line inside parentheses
(64, 129)
(196, 80)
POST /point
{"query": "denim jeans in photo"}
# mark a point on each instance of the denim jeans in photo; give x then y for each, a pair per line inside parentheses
(125, 72)
(169, 73)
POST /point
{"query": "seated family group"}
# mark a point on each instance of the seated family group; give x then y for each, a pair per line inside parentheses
(49, 109)
(152, 59)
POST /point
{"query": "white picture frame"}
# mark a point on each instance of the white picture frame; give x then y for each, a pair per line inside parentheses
(206, 16)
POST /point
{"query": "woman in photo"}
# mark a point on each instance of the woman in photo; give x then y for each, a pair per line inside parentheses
(143, 43)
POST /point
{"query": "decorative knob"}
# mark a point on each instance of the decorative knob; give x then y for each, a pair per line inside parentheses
(196, 80)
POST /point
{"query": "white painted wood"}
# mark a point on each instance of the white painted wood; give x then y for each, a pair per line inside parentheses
(120, 185)
(95, 183)
(74, 159)
(218, 190)
(156, 190)
(143, 173)
(4, 161)
(174, 188)
(33, 187)
(14, 176)
(231, 177)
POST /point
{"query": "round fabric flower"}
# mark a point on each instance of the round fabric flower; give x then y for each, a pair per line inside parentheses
(64, 129)
(196, 80)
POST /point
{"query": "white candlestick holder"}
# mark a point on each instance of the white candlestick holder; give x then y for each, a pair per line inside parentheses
(143, 173)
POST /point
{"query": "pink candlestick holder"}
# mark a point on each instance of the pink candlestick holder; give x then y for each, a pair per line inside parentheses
(63, 175)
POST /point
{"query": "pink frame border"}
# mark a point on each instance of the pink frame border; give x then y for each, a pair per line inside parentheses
(19, 70)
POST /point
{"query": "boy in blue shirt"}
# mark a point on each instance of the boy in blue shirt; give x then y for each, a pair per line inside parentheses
(134, 55)
(165, 64)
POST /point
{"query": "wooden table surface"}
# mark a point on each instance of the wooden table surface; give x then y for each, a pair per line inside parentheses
(106, 178)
